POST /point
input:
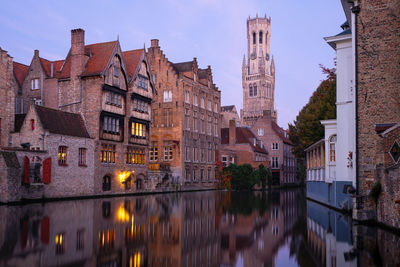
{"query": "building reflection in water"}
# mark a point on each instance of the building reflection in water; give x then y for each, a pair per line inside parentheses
(190, 229)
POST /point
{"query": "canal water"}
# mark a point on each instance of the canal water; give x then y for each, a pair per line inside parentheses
(212, 228)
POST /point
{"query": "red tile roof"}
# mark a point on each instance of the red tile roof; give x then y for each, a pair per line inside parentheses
(243, 136)
(99, 55)
(46, 64)
(132, 58)
(60, 122)
(20, 72)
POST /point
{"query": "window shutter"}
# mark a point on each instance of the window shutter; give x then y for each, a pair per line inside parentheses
(45, 230)
(26, 170)
(47, 171)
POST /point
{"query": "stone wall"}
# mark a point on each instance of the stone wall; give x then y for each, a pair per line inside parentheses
(7, 97)
(378, 57)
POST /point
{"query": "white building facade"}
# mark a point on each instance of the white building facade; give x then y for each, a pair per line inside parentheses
(338, 155)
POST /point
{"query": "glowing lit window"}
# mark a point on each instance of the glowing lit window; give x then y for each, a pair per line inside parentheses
(108, 153)
(60, 243)
(62, 155)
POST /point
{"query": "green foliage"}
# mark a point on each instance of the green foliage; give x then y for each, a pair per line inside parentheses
(243, 177)
(307, 129)
(376, 192)
(264, 176)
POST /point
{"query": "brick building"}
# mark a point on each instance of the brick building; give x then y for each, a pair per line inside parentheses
(50, 156)
(228, 113)
(112, 90)
(39, 84)
(375, 27)
(276, 140)
(239, 145)
(8, 88)
(186, 121)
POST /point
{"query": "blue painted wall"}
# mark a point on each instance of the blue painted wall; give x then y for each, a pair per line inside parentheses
(330, 193)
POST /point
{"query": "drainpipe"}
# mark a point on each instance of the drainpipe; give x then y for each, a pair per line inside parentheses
(41, 88)
(355, 9)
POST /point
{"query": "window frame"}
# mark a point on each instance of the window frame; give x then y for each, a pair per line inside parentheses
(62, 160)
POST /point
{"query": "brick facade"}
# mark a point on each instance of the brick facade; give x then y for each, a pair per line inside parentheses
(275, 139)
(186, 121)
(7, 97)
(378, 82)
(239, 146)
(101, 82)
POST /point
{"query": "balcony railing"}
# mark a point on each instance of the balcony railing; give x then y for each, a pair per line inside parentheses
(317, 174)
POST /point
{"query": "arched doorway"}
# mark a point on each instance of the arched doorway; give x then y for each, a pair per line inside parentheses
(106, 183)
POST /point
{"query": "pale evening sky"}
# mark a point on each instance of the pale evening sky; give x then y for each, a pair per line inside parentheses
(213, 31)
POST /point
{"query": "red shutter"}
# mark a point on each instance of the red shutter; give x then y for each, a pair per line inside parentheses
(24, 233)
(45, 230)
(47, 171)
(26, 170)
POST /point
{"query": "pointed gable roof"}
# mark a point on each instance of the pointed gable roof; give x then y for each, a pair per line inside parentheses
(132, 59)
(99, 55)
(20, 72)
(60, 122)
(46, 64)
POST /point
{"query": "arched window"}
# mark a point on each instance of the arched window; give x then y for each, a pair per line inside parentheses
(332, 148)
(261, 37)
(254, 38)
(250, 90)
(139, 184)
(106, 183)
(255, 89)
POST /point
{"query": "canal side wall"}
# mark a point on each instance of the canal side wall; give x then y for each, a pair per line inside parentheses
(331, 194)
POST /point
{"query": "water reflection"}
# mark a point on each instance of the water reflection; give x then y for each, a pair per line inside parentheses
(190, 229)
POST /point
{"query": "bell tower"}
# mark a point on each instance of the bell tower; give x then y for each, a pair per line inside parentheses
(258, 72)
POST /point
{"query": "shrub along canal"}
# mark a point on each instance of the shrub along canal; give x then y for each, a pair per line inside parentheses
(214, 228)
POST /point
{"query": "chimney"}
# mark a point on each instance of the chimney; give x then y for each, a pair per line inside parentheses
(232, 132)
(154, 43)
(77, 55)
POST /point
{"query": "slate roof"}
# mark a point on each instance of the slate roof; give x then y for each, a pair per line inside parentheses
(20, 72)
(18, 121)
(347, 31)
(99, 55)
(10, 158)
(243, 136)
(132, 58)
(202, 73)
(60, 122)
(182, 66)
(227, 108)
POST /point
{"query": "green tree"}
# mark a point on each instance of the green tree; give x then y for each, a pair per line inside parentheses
(264, 175)
(243, 177)
(307, 129)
